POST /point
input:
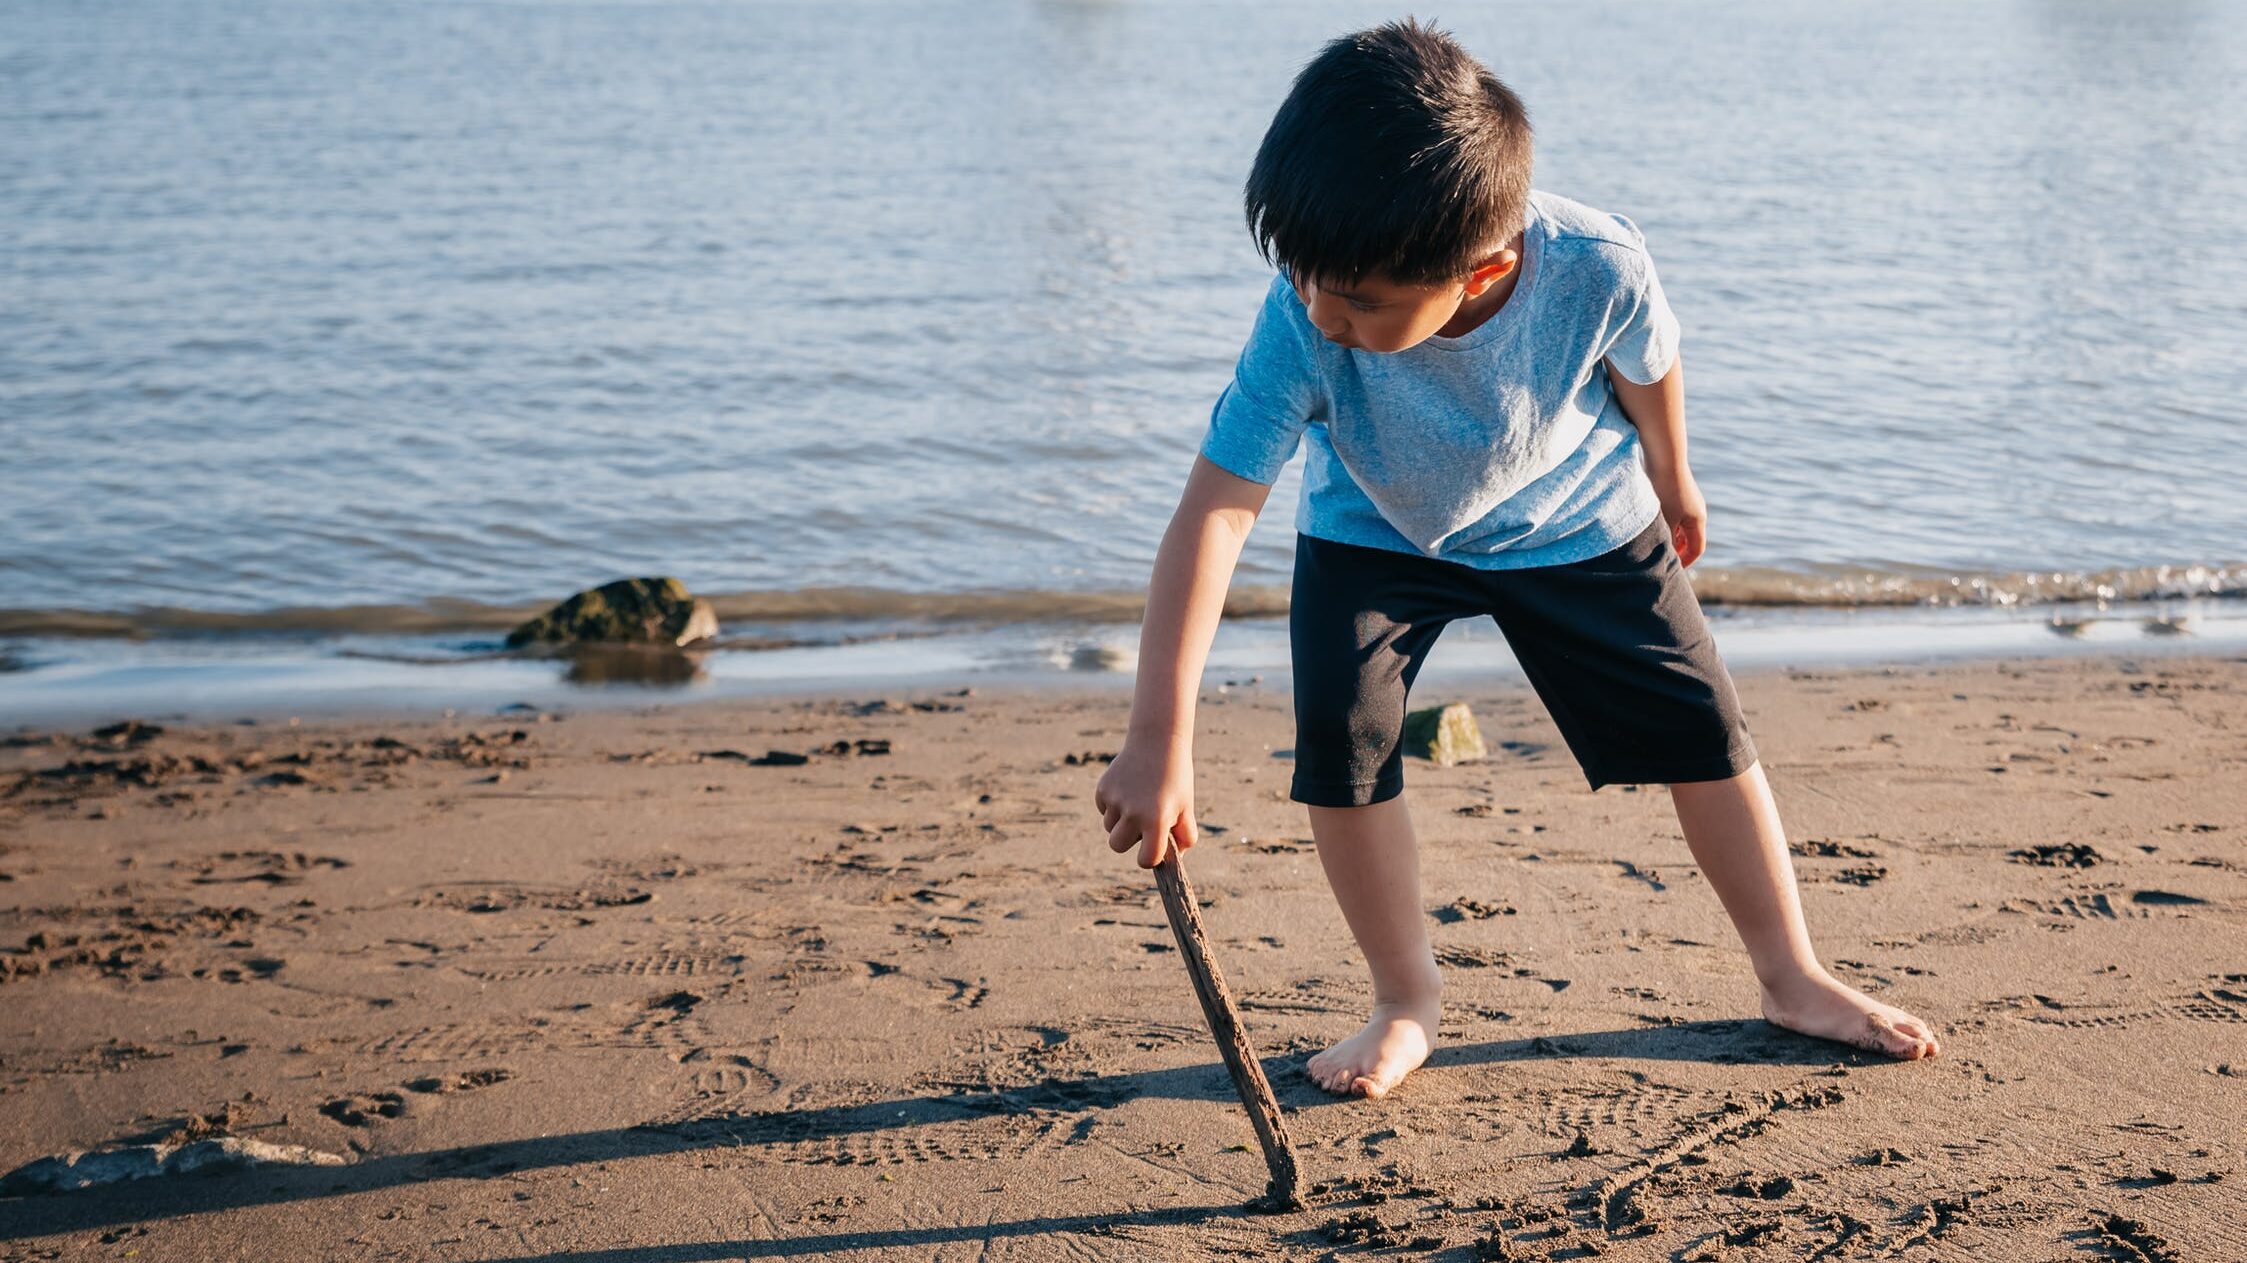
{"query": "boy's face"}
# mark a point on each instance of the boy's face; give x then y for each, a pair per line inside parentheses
(1378, 314)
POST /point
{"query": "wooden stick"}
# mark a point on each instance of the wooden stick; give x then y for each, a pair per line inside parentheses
(1286, 1188)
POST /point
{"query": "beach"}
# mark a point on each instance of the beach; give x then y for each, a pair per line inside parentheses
(359, 902)
(855, 976)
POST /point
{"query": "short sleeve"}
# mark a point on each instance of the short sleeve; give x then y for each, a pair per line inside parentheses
(1259, 419)
(1643, 333)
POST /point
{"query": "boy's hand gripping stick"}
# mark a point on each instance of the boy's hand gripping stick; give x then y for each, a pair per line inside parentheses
(1285, 1190)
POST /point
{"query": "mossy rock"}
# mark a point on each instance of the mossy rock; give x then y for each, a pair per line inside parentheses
(1443, 735)
(629, 611)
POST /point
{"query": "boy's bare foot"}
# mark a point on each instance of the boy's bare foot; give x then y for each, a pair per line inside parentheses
(1392, 1045)
(1823, 1006)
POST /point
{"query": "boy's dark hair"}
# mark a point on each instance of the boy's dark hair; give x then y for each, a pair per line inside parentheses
(1395, 152)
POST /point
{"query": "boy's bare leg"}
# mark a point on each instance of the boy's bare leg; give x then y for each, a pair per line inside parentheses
(1732, 827)
(1373, 864)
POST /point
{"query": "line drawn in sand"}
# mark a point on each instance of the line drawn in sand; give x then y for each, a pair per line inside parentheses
(662, 963)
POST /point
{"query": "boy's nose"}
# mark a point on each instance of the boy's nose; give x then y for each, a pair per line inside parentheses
(1323, 315)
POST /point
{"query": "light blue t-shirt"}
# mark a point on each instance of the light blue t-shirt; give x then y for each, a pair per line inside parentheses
(1501, 449)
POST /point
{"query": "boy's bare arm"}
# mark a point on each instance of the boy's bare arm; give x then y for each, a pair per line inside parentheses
(1146, 797)
(1658, 410)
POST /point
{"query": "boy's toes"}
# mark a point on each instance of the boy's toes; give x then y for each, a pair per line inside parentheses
(1922, 1040)
(1906, 1040)
(1345, 1080)
(1340, 1076)
(1882, 1036)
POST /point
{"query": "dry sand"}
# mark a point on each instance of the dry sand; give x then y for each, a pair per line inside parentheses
(598, 990)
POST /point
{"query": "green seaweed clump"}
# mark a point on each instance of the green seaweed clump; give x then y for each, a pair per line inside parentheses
(658, 611)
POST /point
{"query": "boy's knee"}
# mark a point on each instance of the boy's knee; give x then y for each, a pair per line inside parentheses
(1345, 750)
(1336, 780)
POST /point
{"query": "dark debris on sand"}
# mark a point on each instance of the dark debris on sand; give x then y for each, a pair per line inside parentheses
(2057, 855)
(133, 949)
(102, 770)
(2130, 1239)
(1471, 910)
(1829, 850)
(891, 706)
(361, 1109)
(1770, 1190)
(1364, 1228)
(837, 749)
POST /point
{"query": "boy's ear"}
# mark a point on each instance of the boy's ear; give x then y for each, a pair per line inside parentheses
(1491, 270)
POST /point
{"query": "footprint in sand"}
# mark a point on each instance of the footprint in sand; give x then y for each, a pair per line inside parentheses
(271, 868)
(362, 1109)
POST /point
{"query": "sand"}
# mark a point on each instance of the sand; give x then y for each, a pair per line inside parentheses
(621, 988)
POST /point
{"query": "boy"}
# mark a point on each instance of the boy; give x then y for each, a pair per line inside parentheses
(1487, 381)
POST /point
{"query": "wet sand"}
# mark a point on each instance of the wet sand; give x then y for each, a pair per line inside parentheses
(625, 987)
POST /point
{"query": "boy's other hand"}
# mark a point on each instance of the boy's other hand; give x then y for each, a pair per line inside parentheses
(1146, 799)
(1687, 514)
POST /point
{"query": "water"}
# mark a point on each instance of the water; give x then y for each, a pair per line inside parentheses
(405, 316)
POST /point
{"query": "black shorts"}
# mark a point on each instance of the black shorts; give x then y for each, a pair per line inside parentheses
(1615, 646)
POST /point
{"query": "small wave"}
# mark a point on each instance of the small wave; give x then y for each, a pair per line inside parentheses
(1745, 587)
(1018, 606)
(1863, 589)
(221, 346)
(432, 617)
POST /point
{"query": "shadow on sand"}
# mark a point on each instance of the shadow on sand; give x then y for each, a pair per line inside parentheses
(1736, 1042)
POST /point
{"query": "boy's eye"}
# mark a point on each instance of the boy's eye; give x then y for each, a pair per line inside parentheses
(1355, 305)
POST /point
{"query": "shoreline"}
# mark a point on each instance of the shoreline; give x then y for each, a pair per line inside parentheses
(1821, 587)
(898, 998)
(216, 678)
